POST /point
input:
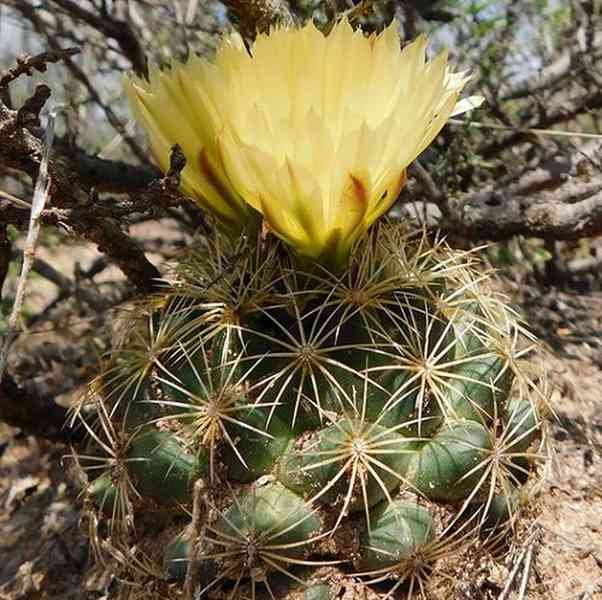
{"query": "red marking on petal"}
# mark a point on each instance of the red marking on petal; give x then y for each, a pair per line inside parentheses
(213, 178)
(359, 191)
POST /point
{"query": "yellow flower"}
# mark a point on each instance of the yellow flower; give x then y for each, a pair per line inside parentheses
(314, 132)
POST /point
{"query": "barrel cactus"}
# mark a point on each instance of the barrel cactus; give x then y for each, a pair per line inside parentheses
(287, 418)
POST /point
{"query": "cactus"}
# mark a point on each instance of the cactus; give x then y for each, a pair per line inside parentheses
(368, 422)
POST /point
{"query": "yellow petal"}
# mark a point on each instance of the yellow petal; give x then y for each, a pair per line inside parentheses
(313, 131)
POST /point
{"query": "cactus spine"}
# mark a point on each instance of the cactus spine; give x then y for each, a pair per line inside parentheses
(368, 422)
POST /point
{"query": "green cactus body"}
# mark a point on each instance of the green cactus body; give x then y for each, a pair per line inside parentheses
(265, 530)
(103, 493)
(502, 507)
(175, 558)
(522, 425)
(319, 592)
(450, 466)
(398, 406)
(483, 384)
(310, 406)
(397, 531)
(161, 467)
(472, 328)
(333, 456)
(259, 441)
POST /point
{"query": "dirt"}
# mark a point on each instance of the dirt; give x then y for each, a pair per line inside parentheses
(44, 550)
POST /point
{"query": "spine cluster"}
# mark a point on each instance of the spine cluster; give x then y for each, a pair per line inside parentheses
(267, 429)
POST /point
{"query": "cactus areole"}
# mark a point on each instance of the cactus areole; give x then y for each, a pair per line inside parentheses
(325, 400)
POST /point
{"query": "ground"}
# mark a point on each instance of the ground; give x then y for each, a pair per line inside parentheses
(43, 545)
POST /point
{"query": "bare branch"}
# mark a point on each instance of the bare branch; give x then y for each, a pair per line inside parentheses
(496, 215)
(34, 414)
(257, 16)
(562, 200)
(66, 286)
(5, 254)
(29, 113)
(33, 16)
(26, 64)
(120, 31)
(431, 188)
(551, 75)
(200, 513)
(109, 175)
(583, 105)
(20, 149)
(40, 199)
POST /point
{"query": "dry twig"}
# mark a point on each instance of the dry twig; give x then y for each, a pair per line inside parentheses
(40, 200)
(26, 64)
(199, 518)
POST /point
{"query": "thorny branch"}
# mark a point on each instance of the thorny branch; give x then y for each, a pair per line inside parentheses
(40, 200)
(27, 64)
(79, 210)
(34, 413)
(560, 199)
(116, 29)
(257, 16)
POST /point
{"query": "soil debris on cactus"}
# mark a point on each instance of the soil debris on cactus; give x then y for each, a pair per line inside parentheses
(358, 427)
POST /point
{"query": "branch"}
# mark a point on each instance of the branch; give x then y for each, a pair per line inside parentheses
(257, 16)
(120, 31)
(66, 286)
(549, 76)
(200, 512)
(34, 414)
(5, 254)
(40, 199)
(497, 216)
(26, 64)
(583, 105)
(33, 16)
(441, 15)
(560, 200)
(430, 187)
(20, 149)
(109, 175)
